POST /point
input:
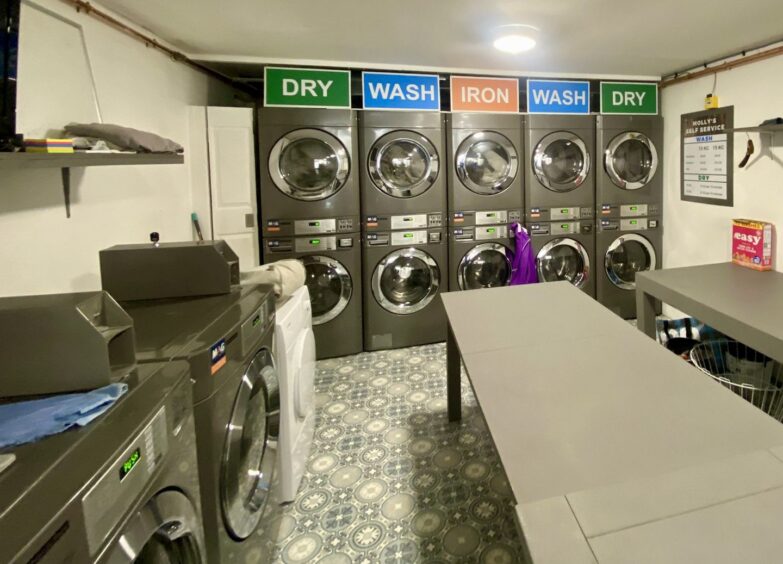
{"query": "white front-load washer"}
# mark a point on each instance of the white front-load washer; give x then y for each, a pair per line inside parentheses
(295, 346)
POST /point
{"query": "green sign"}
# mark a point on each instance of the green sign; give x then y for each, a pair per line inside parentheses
(307, 87)
(629, 98)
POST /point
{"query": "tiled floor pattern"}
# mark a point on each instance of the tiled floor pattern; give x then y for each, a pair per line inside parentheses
(389, 480)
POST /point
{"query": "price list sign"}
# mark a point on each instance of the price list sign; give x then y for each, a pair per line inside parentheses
(707, 157)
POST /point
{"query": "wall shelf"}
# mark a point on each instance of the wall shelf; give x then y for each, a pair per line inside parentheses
(771, 129)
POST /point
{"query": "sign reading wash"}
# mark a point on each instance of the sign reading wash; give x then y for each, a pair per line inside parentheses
(307, 87)
(393, 91)
(629, 98)
(558, 97)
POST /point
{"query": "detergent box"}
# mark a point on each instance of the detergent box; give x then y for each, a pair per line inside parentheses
(751, 243)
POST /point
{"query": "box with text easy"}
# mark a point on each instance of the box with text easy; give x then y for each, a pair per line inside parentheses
(751, 243)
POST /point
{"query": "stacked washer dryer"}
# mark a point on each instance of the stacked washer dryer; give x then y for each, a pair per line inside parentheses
(310, 211)
(560, 197)
(403, 189)
(485, 194)
(629, 201)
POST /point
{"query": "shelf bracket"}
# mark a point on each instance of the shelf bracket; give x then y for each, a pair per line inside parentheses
(65, 172)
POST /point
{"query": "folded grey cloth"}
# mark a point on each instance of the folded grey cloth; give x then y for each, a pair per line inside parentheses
(286, 276)
(124, 137)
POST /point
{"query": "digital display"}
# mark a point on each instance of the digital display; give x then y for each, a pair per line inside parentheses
(129, 464)
(564, 210)
(407, 219)
(634, 208)
(491, 230)
(315, 224)
(315, 241)
(564, 226)
(256, 320)
(634, 222)
(490, 215)
(408, 235)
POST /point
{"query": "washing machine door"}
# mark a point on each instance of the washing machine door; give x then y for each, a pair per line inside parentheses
(484, 266)
(563, 259)
(309, 164)
(486, 163)
(406, 281)
(166, 530)
(631, 160)
(626, 256)
(561, 161)
(330, 287)
(304, 378)
(250, 452)
(403, 164)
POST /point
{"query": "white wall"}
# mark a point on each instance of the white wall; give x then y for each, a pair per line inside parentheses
(698, 233)
(42, 251)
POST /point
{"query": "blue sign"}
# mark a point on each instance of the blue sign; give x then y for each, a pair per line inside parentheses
(558, 97)
(389, 91)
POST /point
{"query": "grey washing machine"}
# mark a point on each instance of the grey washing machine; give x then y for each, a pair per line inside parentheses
(623, 248)
(565, 251)
(479, 257)
(228, 343)
(560, 171)
(403, 178)
(124, 488)
(333, 270)
(404, 274)
(629, 181)
(486, 173)
(308, 171)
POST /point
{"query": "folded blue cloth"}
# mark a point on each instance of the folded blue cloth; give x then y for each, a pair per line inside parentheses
(27, 421)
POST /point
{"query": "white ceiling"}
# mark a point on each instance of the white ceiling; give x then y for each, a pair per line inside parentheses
(596, 38)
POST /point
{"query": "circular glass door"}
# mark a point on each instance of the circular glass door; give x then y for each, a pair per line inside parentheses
(251, 447)
(309, 164)
(487, 163)
(626, 256)
(329, 285)
(563, 259)
(403, 164)
(406, 281)
(561, 161)
(631, 160)
(484, 266)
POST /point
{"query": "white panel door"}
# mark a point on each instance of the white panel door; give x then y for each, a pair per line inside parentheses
(232, 172)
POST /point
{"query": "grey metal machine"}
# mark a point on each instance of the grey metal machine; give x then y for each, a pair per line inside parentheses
(403, 172)
(404, 274)
(333, 267)
(560, 170)
(565, 250)
(228, 342)
(123, 489)
(479, 257)
(624, 247)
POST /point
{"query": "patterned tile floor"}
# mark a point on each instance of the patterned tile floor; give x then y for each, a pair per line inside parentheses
(389, 480)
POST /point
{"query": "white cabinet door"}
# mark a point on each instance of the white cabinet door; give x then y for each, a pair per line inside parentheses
(232, 175)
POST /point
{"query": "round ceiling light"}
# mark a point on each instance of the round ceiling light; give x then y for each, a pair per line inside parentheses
(514, 44)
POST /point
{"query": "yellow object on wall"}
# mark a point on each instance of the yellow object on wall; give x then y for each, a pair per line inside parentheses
(711, 102)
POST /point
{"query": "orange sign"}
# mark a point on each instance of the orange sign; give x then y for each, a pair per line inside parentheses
(478, 94)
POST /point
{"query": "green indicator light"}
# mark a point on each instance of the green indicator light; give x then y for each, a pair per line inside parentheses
(564, 210)
(315, 241)
(129, 464)
(633, 222)
(491, 230)
(256, 320)
(564, 226)
(633, 208)
(408, 235)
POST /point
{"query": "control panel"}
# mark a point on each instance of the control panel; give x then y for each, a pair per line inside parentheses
(310, 244)
(629, 210)
(310, 226)
(479, 233)
(404, 238)
(562, 228)
(408, 221)
(560, 214)
(493, 217)
(409, 238)
(630, 224)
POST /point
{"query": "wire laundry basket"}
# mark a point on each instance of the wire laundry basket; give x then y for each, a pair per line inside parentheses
(745, 371)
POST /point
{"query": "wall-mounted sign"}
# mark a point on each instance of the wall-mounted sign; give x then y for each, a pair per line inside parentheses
(317, 88)
(478, 94)
(629, 98)
(707, 157)
(558, 97)
(392, 91)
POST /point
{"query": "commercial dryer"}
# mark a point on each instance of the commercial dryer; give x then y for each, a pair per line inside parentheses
(404, 274)
(308, 171)
(629, 181)
(565, 250)
(333, 269)
(486, 172)
(123, 489)
(623, 248)
(479, 257)
(560, 175)
(403, 178)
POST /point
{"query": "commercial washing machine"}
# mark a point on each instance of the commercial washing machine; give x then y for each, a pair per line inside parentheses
(404, 274)
(124, 488)
(560, 172)
(228, 343)
(479, 257)
(629, 181)
(403, 178)
(333, 267)
(623, 248)
(486, 173)
(565, 250)
(308, 170)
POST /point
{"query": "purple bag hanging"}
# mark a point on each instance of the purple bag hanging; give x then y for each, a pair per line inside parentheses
(523, 261)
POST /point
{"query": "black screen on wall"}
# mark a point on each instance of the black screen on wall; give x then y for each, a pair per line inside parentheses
(9, 50)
